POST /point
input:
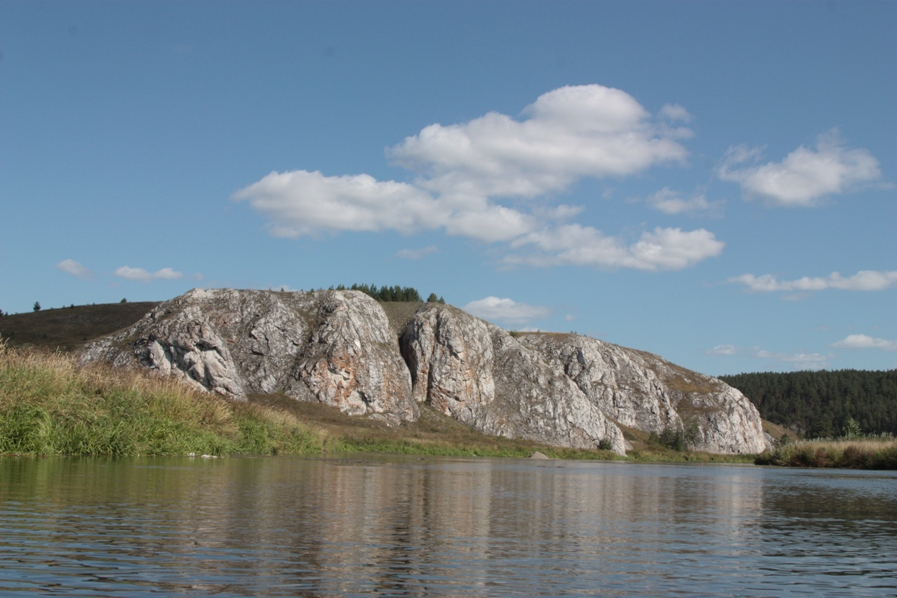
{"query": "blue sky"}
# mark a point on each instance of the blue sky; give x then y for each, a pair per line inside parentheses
(710, 181)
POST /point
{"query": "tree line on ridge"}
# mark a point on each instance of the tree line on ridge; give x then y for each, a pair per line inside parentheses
(821, 404)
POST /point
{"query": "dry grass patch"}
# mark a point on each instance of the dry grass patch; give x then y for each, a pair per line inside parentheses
(864, 453)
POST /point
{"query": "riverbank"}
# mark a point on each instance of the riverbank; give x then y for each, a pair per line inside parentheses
(862, 453)
(51, 406)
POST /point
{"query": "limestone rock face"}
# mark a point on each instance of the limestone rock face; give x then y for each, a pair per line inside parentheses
(643, 391)
(340, 348)
(480, 375)
(334, 347)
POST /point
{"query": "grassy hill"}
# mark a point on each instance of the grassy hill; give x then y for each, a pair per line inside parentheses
(68, 328)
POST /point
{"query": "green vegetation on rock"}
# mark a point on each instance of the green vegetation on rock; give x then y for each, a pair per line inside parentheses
(388, 294)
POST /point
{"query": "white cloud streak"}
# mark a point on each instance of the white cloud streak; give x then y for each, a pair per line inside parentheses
(862, 341)
(506, 310)
(416, 254)
(804, 361)
(660, 249)
(724, 350)
(76, 269)
(672, 202)
(804, 176)
(864, 280)
(675, 112)
(141, 275)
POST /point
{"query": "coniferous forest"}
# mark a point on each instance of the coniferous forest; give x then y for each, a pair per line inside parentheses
(393, 293)
(819, 404)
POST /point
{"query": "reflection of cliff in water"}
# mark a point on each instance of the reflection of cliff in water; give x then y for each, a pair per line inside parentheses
(344, 520)
(292, 526)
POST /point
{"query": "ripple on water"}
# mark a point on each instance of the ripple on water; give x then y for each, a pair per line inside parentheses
(289, 526)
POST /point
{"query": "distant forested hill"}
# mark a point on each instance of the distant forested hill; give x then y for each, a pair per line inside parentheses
(820, 403)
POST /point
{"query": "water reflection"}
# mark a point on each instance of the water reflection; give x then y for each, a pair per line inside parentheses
(406, 526)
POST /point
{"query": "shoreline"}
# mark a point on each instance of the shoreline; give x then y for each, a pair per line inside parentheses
(49, 406)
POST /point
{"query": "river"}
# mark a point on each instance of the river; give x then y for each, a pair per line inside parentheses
(411, 526)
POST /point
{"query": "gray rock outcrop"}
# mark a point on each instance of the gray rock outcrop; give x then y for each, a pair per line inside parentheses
(645, 392)
(334, 347)
(340, 348)
(482, 376)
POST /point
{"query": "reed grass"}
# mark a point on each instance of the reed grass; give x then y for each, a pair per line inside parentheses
(862, 453)
(50, 406)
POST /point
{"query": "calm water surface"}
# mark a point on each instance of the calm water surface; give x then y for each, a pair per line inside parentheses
(410, 526)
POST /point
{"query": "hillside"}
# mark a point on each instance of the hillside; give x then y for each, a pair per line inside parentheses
(69, 328)
(819, 404)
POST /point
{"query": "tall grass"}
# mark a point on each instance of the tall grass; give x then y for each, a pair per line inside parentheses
(50, 406)
(864, 453)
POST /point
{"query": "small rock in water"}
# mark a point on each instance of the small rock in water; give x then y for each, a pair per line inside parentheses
(538, 455)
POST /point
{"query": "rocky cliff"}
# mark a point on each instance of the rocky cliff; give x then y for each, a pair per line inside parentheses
(332, 347)
(482, 376)
(340, 348)
(643, 391)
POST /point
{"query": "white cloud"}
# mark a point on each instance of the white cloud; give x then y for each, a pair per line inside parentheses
(565, 135)
(805, 176)
(141, 275)
(660, 249)
(864, 280)
(862, 341)
(416, 254)
(76, 269)
(672, 202)
(302, 203)
(805, 361)
(675, 112)
(506, 310)
(571, 132)
(726, 350)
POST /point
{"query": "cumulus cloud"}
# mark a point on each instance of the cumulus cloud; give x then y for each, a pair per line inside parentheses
(302, 203)
(570, 133)
(573, 244)
(725, 350)
(862, 341)
(672, 202)
(468, 172)
(805, 176)
(864, 280)
(76, 269)
(141, 275)
(506, 310)
(416, 254)
(804, 361)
